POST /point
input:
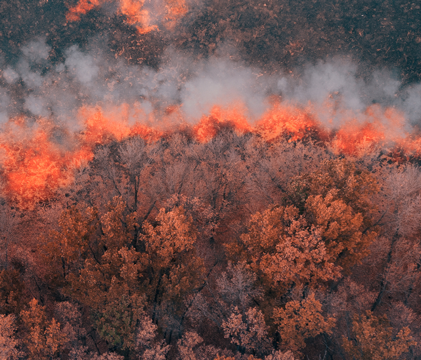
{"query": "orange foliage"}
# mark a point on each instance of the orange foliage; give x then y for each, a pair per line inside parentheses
(249, 332)
(102, 262)
(44, 339)
(373, 338)
(8, 341)
(301, 320)
(282, 247)
(353, 186)
(323, 230)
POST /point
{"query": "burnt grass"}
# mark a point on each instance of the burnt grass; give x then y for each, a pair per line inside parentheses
(271, 34)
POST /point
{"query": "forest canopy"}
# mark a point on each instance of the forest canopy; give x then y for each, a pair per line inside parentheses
(234, 248)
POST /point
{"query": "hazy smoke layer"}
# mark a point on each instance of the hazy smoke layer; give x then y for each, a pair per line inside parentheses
(40, 87)
(210, 53)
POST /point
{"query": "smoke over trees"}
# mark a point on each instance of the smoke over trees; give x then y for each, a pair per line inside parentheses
(210, 179)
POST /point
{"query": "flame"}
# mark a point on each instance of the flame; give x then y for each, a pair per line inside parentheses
(35, 164)
(135, 13)
(220, 117)
(287, 121)
(175, 9)
(380, 127)
(83, 7)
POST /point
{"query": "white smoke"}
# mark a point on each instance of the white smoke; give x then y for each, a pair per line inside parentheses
(4, 104)
(37, 51)
(339, 82)
(81, 66)
(323, 79)
(10, 75)
(411, 103)
(223, 82)
(92, 76)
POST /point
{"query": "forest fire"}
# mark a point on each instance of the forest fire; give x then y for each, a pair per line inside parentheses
(35, 167)
(210, 179)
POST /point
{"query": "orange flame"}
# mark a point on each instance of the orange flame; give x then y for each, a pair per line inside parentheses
(287, 121)
(379, 127)
(35, 166)
(103, 126)
(135, 13)
(219, 118)
(83, 7)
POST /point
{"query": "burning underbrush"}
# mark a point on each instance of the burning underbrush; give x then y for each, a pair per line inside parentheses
(40, 159)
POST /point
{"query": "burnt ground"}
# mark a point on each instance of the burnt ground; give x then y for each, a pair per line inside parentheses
(267, 33)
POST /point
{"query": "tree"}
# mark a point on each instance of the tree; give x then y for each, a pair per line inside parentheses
(70, 315)
(279, 355)
(110, 287)
(191, 347)
(116, 321)
(343, 179)
(43, 338)
(281, 248)
(399, 201)
(174, 269)
(66, 249)
(133, 266)
(128, 275)
(300, 320)
(397, 252)
(344, 231)
(234, 288)
(8, 222)
(133, 156)
(12, 291)
(284, 249)
(248, 332)
(272, 166)
(237, 286)
(148, 344)
(8, 342)
(313, 239)
(373, 339)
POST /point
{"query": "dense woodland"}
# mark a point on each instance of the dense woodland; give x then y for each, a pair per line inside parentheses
(231, 249)
(234, 248)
